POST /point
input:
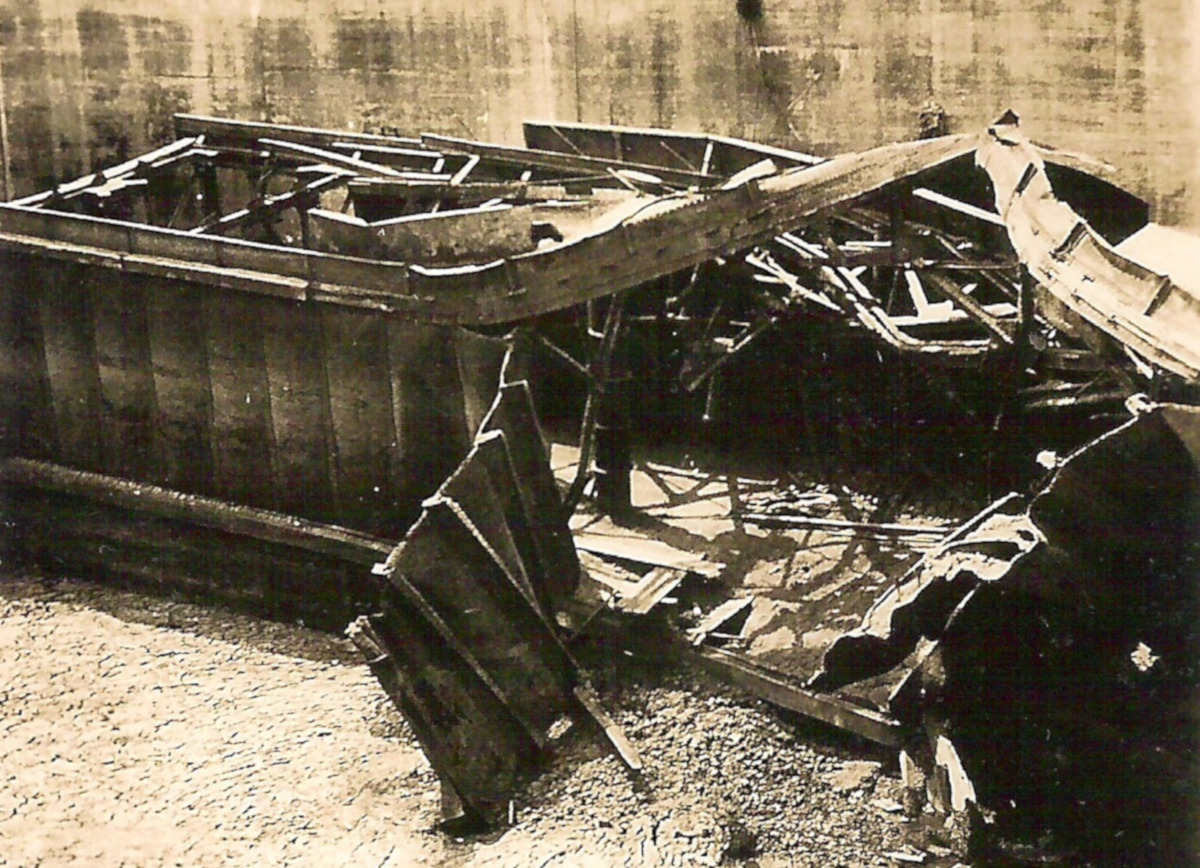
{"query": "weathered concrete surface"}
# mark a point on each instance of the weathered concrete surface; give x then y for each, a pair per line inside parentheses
(85, 82)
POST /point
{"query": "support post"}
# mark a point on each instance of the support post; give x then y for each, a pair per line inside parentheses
(614, 455)
(210, 191)
(1025, 303)
(598, 384)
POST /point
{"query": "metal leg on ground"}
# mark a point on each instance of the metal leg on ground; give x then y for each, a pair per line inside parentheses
(614, 456)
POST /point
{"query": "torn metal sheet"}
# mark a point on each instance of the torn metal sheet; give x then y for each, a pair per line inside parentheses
(640, 240)
(1155, 316)
(464, 643)
(475, 669)
(982, 550)
(1053, 671)
(557, 563)
(446, 560)
(474, 742)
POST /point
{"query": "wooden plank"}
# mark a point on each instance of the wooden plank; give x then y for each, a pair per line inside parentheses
(401, 154)
(777, 690)
(179, 353)
(241, 413)
(736, 153)
(227, 133)
(626, 591)
(461, 174)
(466, 193)
(556, 161)
(69, 340)
(126, 374)
(794, 520)
(27, 425)
(916, 291)
(651, 590)
(618, 542)
(355, 347)
(612, 576)
(874, 318)
(961, 207)
(300, 199)
(711, 478)
(679, 237)
(136, 166)
(341, 161)
(294, 353)
(718, 618)
(972, 307)
(612, 730)
(342, 543)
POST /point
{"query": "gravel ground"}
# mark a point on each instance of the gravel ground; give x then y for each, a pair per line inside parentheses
(124, 743)
(720, 771)
(142, 732)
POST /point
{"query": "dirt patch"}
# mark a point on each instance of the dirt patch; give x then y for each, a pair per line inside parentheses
(128, 743)
(144, 732)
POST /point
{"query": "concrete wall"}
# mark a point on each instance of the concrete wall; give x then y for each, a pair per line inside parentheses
(86, 83)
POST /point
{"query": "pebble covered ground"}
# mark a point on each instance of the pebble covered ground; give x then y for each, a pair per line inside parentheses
(136, 744)
(142, 732)
(723, 777)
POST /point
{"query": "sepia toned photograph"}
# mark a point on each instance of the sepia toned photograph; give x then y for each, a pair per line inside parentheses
(573, 434)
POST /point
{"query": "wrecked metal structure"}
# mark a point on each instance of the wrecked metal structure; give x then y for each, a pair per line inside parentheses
(1047, 650)
(309, 370)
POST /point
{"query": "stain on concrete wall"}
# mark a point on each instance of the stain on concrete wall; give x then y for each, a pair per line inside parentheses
(83, 85)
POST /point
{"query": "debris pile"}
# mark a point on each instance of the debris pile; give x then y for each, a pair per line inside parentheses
(723, 778)
(1031, 650)
(464, 643)
(242, 364)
